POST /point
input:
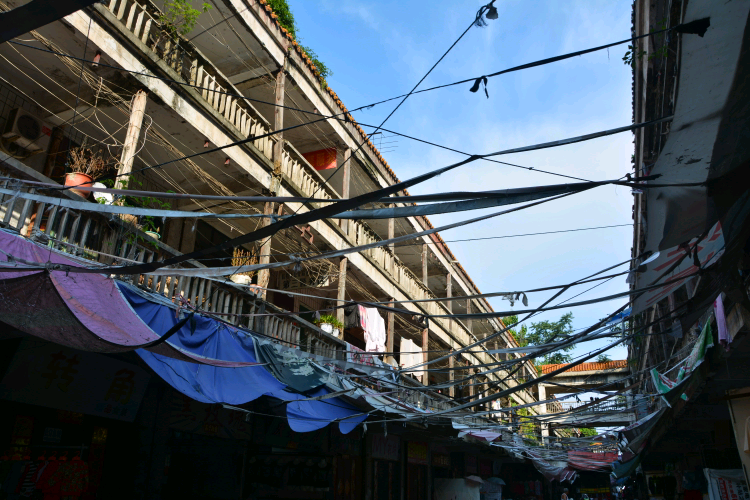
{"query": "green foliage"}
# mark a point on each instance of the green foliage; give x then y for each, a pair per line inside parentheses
(603, 358)
(330, 319)
(323, 71)
(518, 335)
(544, 332)
(527, 429)
(631, 55)
(588, 431)
(284, 15)
(179, 17)
(146, 222)
(286, 19)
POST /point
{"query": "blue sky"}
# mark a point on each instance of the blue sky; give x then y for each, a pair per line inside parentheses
(378, 49)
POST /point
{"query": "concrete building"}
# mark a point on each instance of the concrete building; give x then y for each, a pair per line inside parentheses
(243, 78)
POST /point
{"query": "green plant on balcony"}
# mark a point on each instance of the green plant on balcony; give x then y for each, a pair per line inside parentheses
(146, 223)
(328, 322)
(285, 18)
(178, 18)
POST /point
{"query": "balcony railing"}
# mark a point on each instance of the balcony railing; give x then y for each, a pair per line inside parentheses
(109, 239)
(604, 406)
(142, 20)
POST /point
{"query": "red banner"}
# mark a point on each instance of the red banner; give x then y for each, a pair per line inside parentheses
(323, 159)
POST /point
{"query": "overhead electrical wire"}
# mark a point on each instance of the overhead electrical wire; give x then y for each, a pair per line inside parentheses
(325, 212)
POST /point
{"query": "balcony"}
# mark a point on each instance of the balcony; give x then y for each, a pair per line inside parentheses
(108, 239)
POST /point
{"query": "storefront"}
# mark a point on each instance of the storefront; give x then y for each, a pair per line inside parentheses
(416, 470)
(347, 465)
(440, 461)
(68, 425)
(386, 467)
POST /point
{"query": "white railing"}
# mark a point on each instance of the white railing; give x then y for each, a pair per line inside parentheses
(109, 239)
(143, 21)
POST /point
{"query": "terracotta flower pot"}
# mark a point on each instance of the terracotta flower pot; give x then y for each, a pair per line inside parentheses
(79, 179)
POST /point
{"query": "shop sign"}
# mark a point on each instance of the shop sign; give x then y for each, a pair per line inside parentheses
(471, 464)
(727, 484)
(189, 415)
(385, 447)
(417, 453)
(345, 445)
(50, 375)
(485, 468)
(441, 460)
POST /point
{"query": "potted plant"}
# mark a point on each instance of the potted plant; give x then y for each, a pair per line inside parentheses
(242, 257)
(330, 324)
(148, 226)
(84, 165)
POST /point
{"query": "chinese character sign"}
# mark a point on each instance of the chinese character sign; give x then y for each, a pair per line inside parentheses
(58, 377)
(726, 484)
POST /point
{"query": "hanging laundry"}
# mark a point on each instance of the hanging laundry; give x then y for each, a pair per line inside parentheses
(721, 323)
(411, 355)
(375, 331)
(369, 320)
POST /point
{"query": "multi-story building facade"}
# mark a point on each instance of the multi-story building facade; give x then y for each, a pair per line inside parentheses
(686, 237)
(245, 77)
(109, 79)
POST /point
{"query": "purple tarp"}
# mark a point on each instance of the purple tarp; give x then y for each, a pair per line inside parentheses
(82, 311)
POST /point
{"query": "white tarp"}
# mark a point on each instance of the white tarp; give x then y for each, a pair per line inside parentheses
(455, 489)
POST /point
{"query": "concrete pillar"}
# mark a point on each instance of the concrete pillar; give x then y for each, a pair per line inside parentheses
(449, 305)
(342, 289)
(187, 243)
(452, 375)
(470, 374)
(542, 410)
(424, 265)
(392, 246)
(54, 148)
(264, 275)
(173, 230)
(425, 347)
(468, 311)
(130, 146)
(449, 291)
(345, 192)
(389, 332)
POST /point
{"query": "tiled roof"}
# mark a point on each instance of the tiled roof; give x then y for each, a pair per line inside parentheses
(589, 367)
(272, 15)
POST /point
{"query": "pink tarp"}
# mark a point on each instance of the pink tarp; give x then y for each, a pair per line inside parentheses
(83, 311)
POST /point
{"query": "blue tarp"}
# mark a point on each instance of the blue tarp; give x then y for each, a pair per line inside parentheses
(213, 384)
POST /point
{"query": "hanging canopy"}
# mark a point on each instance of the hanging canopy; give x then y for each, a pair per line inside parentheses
(83, 311)
(236, 385)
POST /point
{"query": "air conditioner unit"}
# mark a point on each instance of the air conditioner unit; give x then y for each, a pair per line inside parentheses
(26, 132)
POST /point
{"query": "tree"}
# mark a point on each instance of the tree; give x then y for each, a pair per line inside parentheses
(545, 332)
(603, 358)
(179, 17)
(285, 17)
(518, 335)
(588, 431)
